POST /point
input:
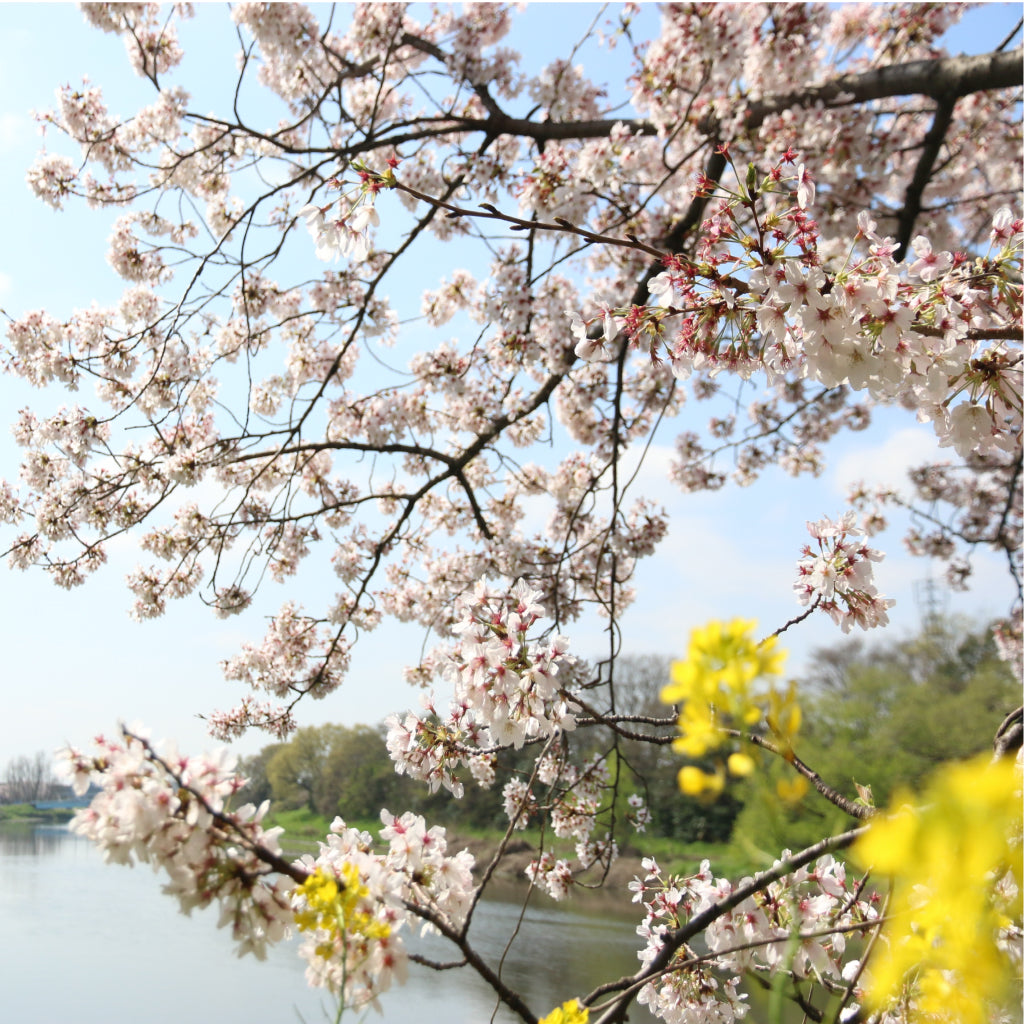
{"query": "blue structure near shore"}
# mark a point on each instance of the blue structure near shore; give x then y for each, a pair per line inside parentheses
(53, 805)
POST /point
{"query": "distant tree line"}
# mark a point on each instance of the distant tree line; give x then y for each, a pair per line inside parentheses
(346, 770)
(28, 779)
(888, 713)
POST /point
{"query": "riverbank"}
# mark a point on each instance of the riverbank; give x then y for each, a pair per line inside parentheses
(304, 830)
(32, 815)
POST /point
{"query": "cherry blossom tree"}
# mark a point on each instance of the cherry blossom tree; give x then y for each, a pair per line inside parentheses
(791, 214)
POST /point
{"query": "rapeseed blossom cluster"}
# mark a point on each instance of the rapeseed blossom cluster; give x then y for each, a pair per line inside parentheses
(337, 911)
(568, 1013)
(714, 686)
(953, 933)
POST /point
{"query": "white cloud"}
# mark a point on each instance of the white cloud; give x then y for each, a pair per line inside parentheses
(886, 464)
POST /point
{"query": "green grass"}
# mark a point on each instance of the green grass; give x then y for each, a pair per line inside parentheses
(26, 812)
(304, 828)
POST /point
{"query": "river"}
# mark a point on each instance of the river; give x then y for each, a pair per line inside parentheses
(90, 943)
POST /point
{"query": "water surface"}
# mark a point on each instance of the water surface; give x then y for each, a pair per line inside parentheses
(90, 943)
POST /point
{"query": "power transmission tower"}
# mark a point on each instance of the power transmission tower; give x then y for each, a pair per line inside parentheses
(932, 602)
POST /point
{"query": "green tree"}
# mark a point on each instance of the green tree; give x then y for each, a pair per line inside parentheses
(357, 777)
(257, 787)
(296, 770)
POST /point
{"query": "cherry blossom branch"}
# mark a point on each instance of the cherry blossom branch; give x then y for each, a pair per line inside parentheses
(850, 807)
(797, 619)
(616, 1011)
(228, 825)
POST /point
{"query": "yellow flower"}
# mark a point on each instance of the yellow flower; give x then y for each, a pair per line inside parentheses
(568, 1013)
(725, 656)
(714, 687)
(792, 791)
(339, 910)
(694, 782)
(741, 765)
(946, 857)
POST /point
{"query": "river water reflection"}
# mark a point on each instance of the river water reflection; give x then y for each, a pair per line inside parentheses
(84, 942)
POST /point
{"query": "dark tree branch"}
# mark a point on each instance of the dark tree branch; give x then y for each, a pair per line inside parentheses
(1009, 735)
(922, 175)
(943, 79)
(833, 796)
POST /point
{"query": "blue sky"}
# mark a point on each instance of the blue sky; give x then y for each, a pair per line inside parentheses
(74, 663)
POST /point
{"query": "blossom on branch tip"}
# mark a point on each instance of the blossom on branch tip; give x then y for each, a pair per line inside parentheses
(346, 233)
(839, 575)
(171, 811)
(593, 349)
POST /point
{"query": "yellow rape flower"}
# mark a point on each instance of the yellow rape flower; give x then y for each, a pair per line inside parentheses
(948, 859)
(715, 687)
(741, 765)
(568, 1013)
(792, 791)
(337, 909)
(694, 782)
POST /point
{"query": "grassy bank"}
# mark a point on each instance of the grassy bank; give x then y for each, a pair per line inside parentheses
(26, 812)
(304, 829)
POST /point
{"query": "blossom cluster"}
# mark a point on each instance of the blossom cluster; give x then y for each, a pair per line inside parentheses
(573, 796)
(507, 693)
(506, 690)
(922, 335)
(798, 923)
(838, 576)
(355, 903)
(172, 812)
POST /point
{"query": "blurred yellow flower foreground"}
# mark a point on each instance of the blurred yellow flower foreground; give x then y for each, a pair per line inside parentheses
(714, 686)
(568, 1013)
(952, 941)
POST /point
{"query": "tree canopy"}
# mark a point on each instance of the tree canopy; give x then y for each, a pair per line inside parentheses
(781, 218)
